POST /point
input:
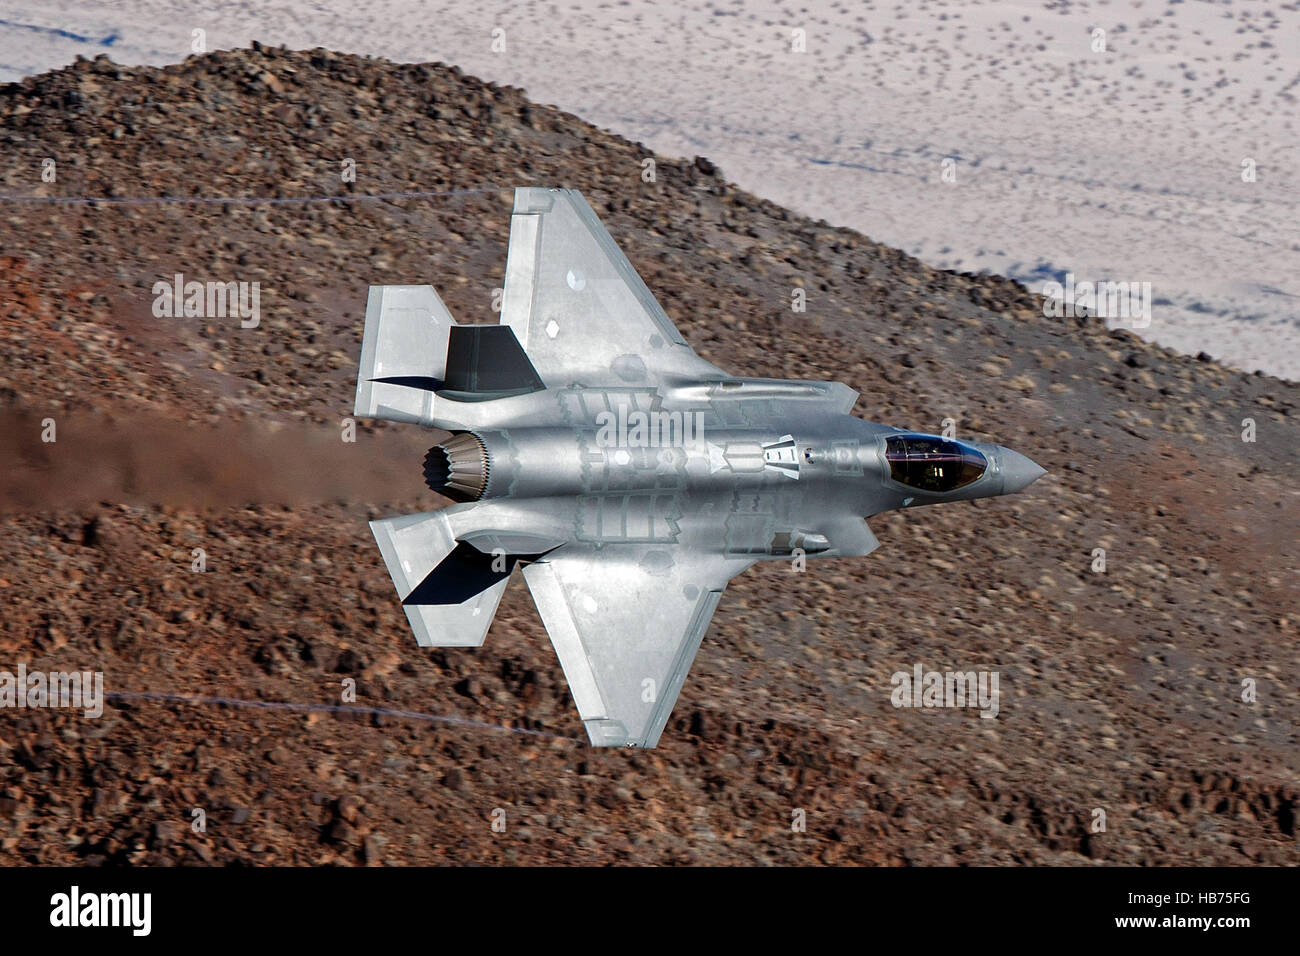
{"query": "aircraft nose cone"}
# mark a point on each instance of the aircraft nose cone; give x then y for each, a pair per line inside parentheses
(1018, 472)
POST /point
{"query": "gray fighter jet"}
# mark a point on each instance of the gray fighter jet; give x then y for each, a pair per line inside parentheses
(628, 477)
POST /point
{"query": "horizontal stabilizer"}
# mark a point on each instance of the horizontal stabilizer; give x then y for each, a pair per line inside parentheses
(414, 546)
(403, 353)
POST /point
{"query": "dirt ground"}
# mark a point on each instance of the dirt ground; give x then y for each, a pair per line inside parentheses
(1122, 690)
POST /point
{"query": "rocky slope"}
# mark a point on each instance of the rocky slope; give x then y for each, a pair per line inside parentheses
(1121, 691)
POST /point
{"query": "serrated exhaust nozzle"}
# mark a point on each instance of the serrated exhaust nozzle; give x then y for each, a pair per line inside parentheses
(458, 468)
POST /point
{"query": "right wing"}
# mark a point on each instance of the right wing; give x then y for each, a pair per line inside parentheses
(578, 307)
(626, 621)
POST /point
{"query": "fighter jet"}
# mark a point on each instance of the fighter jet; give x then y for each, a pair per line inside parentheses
(627, 477)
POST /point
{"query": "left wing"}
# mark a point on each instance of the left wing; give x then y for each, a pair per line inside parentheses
(578, 307)
(626, 621)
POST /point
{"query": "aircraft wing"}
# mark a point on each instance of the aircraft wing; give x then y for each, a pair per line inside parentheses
(578, 307)
(626, 621)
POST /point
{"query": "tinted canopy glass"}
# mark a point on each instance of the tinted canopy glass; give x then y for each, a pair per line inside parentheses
(932, 464)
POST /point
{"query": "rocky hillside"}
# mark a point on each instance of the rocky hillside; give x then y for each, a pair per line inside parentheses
(1122, 690)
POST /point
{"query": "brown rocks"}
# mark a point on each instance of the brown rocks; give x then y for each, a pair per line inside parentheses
(1123, 688)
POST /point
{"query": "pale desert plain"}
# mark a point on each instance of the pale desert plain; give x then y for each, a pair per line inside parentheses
(1118, 156)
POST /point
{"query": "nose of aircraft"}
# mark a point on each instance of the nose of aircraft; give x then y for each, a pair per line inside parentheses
(1018, 472)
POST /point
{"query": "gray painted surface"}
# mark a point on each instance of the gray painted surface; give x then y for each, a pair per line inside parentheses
(640, 479)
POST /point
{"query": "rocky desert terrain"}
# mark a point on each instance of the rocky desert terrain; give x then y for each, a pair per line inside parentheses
(1146, 141)
(1122, 689)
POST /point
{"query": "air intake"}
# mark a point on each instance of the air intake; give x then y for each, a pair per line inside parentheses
(458, 468)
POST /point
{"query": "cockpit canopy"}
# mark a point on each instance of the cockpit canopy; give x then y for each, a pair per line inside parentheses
(932, 464)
